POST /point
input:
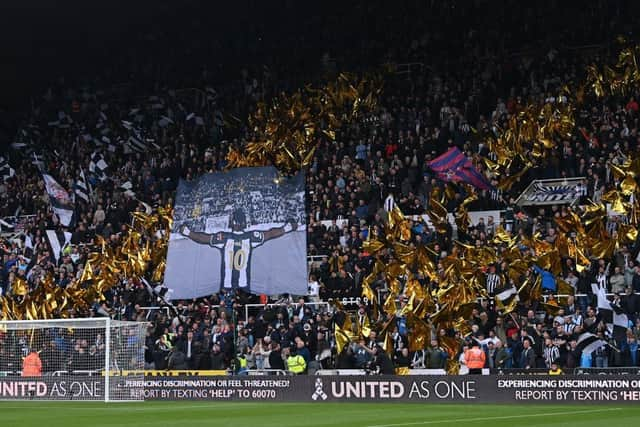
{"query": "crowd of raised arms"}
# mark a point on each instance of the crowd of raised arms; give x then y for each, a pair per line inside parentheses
(164, 125)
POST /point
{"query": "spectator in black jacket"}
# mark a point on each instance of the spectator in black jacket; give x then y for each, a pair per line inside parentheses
(177, 359)
(381, 363)
(218, 362)
(275, 357)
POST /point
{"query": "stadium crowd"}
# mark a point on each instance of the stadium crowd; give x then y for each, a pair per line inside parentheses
(152, 141)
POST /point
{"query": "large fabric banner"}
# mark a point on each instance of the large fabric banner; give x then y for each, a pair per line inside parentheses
(243, 229)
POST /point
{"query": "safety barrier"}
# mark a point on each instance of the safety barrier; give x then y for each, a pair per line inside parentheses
(248, 307)
(631, 370)
(569, 389)
(258, 372)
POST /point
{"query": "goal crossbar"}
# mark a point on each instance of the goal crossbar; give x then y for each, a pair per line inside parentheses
(71, 359)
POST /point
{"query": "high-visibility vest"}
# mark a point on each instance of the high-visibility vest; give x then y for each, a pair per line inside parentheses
(474, 358)
(296, 364)
(32, 366)
(243, 362)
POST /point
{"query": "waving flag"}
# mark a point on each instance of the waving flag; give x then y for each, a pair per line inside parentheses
(454, 166)
(5, 169)
(59, 199)
(588, 343)
(58, 240)
(613, 316)
(82, 187)
(98, 166)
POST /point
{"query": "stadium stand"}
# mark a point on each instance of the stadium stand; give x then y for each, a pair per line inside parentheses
(121, 140)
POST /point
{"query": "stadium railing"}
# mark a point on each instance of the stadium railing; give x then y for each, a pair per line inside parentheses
(408, 68)
(268, 372)
(354, 372)
(87, 373)
(163, 308)
(546, 297)
(631, 370)
(248, 307)
(516, 371)
(426, 372)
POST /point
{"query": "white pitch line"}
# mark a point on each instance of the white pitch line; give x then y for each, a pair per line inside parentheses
(506, 417)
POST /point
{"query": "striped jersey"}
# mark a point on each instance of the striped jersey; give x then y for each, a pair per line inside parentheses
(236, 256)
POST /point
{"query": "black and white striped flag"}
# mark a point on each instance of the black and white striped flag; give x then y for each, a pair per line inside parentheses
(612, 315)
(58, 240)
(98, 166)
(588, 343)
(389, 203)
(137, 144)
(5, 169)
(507, 298)
(82, 187)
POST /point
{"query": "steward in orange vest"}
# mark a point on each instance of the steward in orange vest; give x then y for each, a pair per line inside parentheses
(32, 365)
(475, 358)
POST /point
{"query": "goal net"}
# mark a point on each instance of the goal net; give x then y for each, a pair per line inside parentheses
(72, 359)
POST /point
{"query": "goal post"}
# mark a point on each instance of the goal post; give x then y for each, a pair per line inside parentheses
(72, 359)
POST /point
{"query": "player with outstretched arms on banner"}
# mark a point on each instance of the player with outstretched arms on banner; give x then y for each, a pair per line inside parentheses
(237, 247)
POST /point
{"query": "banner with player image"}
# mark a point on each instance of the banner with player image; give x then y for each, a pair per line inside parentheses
(243, 229)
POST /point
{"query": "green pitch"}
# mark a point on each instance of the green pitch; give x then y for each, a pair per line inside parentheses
(191, 414)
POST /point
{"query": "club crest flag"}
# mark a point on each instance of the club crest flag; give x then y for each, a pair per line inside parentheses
(243, 229)
(60, 200)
